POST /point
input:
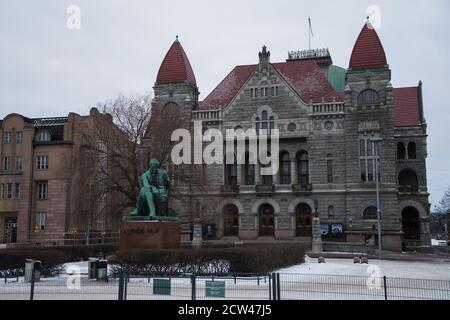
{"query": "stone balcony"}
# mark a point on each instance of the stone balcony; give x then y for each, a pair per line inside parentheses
(302, 188)
(265, 189)
(230, 190)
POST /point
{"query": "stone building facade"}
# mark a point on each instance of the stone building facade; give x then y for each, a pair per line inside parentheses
(337, 126)
(45, 193)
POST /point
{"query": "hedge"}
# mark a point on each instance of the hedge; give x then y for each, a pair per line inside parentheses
(12, 261)
(244, 259)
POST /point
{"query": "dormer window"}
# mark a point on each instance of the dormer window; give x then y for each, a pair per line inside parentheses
(43, 136)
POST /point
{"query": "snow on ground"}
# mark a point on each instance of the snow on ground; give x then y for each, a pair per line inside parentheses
(396, 269)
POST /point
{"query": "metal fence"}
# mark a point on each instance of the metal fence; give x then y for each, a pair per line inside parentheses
(269, 286)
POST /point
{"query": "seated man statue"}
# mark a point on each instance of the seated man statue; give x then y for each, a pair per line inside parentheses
(154, 195)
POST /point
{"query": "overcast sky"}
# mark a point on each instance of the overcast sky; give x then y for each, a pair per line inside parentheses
(48, 70)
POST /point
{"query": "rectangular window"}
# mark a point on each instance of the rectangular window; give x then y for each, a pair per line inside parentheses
(6, 163)
(370, 171)
(2, 191)
(19, 137)
(272, 91)
(362, 164)
(42, 191)
(330, 171)
(18, 163)
(42, 163)
(41, 220)
(7, 137)
(17, 193)
(276, 91)
(9, 191)
(369, 157)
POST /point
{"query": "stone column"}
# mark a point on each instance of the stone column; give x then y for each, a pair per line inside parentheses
(316, 236)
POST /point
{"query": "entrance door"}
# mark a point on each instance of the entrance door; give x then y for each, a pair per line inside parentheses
(411, 224)
(266, 221)
(10, 230)
(303, 218)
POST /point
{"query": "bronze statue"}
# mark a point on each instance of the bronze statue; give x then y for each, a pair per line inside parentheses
(153, 198)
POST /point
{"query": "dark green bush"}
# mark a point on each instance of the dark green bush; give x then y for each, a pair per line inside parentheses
(244, 259)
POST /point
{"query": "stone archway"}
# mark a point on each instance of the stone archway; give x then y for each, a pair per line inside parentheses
(266, 215)
(230, 221)
(303, 220)
(411, 223)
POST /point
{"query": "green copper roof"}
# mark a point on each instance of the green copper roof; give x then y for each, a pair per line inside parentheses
(336, 76)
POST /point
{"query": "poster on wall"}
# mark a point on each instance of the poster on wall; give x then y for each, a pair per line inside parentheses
(336, 229)
(324, 230)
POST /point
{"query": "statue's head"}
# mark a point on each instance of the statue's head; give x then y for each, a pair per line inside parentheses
(154, 164)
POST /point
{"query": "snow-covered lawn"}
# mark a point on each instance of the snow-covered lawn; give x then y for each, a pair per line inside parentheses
(394, 269)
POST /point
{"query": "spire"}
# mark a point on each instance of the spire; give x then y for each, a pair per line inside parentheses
(368, 52)
(176, 67)
(264, 55)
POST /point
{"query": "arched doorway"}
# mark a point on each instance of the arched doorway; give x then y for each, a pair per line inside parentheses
(230, 221)
(303, 218)
(266, 221)
(411, 224)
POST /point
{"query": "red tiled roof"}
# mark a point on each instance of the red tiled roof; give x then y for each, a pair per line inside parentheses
(307, 80)
(368, 51)
(176, 67)
(304, 76)
(222, 95)
(406, 107)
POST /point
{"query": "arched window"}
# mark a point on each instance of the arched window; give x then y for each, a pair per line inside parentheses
(43, 136)
(303, 168)
(407, 181)
(231, 220)
(285, 168)
(303, 218)
(401, 151)
(267, 180)
(330, 168)
(331, 212)
(370, 213)
(412, 150)
(231, 173)
(368, 97)
(265, 122)
(249, 171)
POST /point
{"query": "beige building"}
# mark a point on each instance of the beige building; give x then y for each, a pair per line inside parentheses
(46, 188)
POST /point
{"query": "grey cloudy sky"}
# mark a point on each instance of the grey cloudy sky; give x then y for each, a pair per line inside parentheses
(48, 70)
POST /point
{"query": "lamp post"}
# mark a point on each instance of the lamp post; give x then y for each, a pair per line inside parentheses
(376, 151)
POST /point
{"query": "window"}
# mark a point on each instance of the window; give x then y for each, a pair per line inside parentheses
(331, 212)
(407, 181)
(303, 168)
(254, 92)
(6, 163)
(41, 220)
(368, 97)
(9, 191)
(401, 151)
(18, 163)
(249, 171)
(369, 160)
(42, 191)
(42, 163)
(265, 122)
(17, 191)
(274, 91)
(7, 137)
(19, 137)
(285, 168)
(43, 136)
(370, 213)
(330, 168)
(232, 173)
(412, 150)
(267, 180)
(265, 92)
(2, 191)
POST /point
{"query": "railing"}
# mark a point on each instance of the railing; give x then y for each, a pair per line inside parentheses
(259, 286)
(327, 108)
(262, 188)
(302, 187)
(70, 239)
(211, 115)
(229, 189)
(408, 189)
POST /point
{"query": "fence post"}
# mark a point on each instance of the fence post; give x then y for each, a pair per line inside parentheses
(274, 287)
(385, 288)
(32, 283)
(270, 287)
(121, 283)
(193, 289)
(278, 287)
(125, 286)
